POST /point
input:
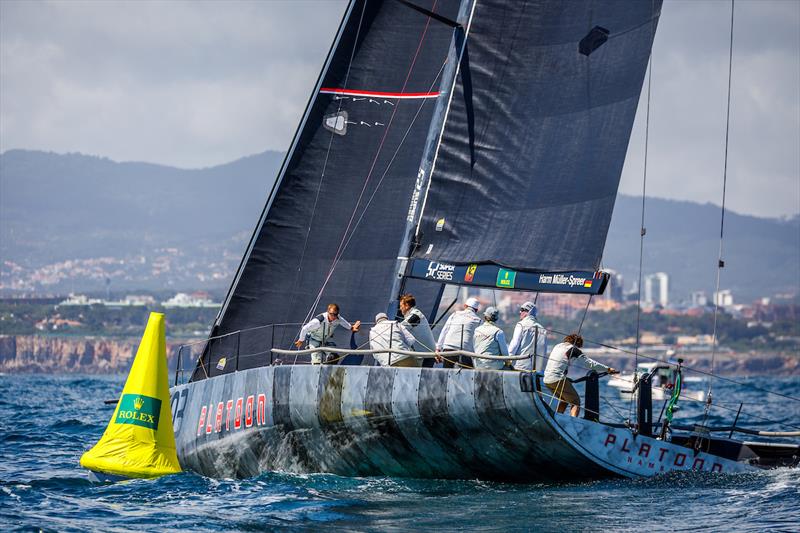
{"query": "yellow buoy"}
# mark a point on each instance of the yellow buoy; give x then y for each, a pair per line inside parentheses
(139, 442)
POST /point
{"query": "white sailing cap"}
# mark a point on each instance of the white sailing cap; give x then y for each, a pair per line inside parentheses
(491, 314)
(529, 307)
(473, 303)
(380, 316)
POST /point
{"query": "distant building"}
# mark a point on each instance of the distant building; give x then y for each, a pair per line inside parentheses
(723, 298)
(132, 300)
(699, 299)
(656, 289)
(80, 299)
(190, 300)
(615, 289)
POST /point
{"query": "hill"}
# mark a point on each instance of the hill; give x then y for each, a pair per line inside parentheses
(69, 222)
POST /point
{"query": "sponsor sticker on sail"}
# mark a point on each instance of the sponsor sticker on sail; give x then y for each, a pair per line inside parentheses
(470, 275)
(587, 284)
(506, 278)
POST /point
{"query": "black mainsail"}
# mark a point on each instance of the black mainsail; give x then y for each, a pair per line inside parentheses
(332, 225)
(433, 124)
(536, 134)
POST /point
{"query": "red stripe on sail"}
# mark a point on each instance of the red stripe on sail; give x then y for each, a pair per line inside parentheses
(376, 94)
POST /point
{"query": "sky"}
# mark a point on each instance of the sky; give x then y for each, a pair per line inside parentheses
(197, 84)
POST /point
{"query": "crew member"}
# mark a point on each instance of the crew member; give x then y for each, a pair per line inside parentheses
(555, 374)
(415, 322)
(319, 331)
(530, 338)
(490, 340)
(457, 334)
(389, 335)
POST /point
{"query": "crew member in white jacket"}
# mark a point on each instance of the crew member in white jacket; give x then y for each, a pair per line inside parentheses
(490, 340)
(555, 374)
(529, 338)
(319, 331)
(388, 335)
(415, 321)
(457, 333)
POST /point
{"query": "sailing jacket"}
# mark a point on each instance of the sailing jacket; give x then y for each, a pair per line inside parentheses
(489, 340)
(561, 357)
(458, 331)
(419, 327)
(320, 330)
(389, 334)
(522, 343)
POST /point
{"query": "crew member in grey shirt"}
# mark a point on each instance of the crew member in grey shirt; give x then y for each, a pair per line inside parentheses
(555, 374)
(414, 320)
(490, 340)
(529, 338)
(457, 334)
(387, 335)
(319, 331)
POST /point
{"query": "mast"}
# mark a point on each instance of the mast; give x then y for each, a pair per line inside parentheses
(428, 161)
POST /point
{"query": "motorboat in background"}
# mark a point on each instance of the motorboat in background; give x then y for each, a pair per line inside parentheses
(664, 376)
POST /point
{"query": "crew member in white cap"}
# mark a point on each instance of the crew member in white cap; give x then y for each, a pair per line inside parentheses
(387, 335)
(490, 340)
(319, 331)
(457, 333)
(529, 338)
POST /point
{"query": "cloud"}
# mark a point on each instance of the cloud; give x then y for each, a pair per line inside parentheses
(686, 151)
(188, 84)
(195, 84)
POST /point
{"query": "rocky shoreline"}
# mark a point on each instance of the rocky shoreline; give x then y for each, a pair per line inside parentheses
(30, 354)
(36, 354)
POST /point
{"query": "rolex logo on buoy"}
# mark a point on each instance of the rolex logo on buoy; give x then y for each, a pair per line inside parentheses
(139, 410)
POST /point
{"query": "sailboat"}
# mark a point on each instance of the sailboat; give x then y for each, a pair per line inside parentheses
(473, 143)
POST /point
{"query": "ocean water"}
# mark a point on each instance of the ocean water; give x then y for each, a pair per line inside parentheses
(47, 422)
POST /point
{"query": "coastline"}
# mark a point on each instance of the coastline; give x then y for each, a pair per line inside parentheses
(45, 354)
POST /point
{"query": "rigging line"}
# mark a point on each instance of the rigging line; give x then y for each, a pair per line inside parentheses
(372, 168)
(642, 229)
(720, 262)
(327, 155)
(691, 369)
(585, 310)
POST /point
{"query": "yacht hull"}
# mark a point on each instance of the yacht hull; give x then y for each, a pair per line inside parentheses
(405, 422)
